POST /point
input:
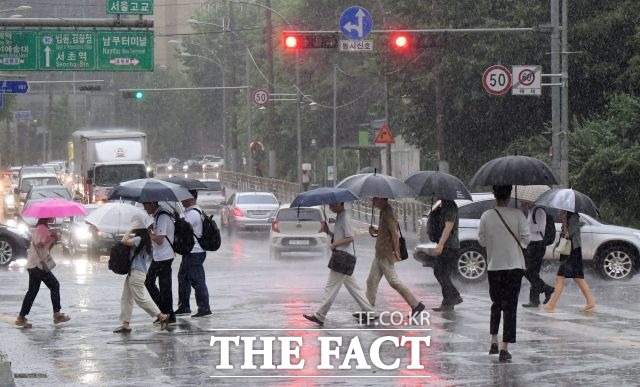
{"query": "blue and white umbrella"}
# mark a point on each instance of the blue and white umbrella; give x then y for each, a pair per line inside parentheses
(568, 199)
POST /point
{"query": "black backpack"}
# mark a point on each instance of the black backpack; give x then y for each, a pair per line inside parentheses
(120, 259)
(210, 239)
(183, 241)
(550, 228)
(435, 225)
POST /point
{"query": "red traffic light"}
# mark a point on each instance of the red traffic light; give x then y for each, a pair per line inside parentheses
(400, 41)
(291, 41)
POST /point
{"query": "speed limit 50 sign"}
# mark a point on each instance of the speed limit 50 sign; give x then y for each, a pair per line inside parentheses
(496, 80)
(260, 96)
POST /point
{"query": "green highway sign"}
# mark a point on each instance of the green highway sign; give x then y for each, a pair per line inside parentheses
(130, 7)
(125, 51)
(18, 50)
(76, 50)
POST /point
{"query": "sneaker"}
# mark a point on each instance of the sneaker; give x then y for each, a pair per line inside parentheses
(419, 308)
(547, 294)
(312, 317)
(202, 314)
(182, 311)
(504, 357)
(530, 305)
(60, 317)
(22, 322)
(494, 349)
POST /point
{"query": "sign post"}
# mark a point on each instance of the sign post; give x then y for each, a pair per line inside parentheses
(384, 135)
(260, 96)
(355, 24)
(527, 80)
(130, 7)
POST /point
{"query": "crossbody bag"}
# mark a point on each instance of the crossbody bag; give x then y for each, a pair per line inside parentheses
(510, 232)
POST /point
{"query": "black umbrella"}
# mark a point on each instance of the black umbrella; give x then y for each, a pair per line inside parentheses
(568, 199)
(189, 184)
(376, 185)
(323, 195)
(437, 185)
(149, 190)
(515, 170)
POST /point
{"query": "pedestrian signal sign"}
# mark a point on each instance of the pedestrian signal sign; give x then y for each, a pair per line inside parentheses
(384, 135)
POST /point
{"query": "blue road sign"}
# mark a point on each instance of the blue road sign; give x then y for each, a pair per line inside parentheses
(1, 101)
(14, 87)
(23, 115)
(355, 23)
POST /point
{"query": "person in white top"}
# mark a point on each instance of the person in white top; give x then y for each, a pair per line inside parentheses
(533, 255)
(504, 232)
(163, 255)
(191, 272)
(342, 239)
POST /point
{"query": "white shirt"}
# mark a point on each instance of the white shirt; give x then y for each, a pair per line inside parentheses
(195, 219)
(163, 225)
(537, 229)
(503, 253)
(342, 229)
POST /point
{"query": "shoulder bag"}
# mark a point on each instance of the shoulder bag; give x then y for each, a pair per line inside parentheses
(510, 232)
(342, 261)
(403, 253)
(48, 263)
(563, 247)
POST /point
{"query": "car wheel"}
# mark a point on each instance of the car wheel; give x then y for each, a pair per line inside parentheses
(616, 263)
(7, 251)
(472, 264)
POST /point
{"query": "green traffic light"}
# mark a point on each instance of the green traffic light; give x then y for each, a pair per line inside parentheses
(139, 94)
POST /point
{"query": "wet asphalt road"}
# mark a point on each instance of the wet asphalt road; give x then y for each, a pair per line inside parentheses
(266, 297)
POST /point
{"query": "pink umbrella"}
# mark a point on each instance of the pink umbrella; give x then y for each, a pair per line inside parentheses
(54, 208)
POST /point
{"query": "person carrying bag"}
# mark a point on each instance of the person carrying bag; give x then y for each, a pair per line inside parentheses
(342, 264)
(39, 265)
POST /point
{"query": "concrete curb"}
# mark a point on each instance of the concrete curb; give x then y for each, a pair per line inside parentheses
(6, 375)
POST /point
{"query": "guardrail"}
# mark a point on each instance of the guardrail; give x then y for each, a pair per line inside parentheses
(407, 211)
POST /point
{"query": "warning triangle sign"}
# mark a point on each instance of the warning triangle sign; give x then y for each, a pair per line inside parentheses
(384, 135)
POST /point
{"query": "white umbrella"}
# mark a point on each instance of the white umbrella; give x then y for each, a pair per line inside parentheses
(569, 200)
(528, 193)
(116, 217)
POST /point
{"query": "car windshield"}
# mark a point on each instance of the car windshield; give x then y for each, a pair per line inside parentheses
(302, 214)
(111, 175)
(256, 199)
(51, 193)
(29, 182)
(213, 185)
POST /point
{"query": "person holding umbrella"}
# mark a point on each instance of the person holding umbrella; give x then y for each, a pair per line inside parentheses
(387, 253)
(571, 266)
(504, 231)
(42, 242)
(134, 287)
(341, 239)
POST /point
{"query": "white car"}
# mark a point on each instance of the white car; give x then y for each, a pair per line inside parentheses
(212, 199)
(299, 230)
(613, 250)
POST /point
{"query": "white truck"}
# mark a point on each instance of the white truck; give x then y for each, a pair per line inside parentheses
(103, 158)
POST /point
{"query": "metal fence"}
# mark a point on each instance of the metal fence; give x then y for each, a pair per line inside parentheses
(408, 212)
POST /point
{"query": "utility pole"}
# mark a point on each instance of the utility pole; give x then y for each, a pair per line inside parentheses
(248, 82)
(335, 125)
(273, 166)
(234, 118)
(386, 120)
(564, 133)
(299, 123)
(555, 89)
(443, 164)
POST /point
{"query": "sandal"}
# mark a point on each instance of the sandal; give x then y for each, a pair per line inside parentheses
(122, 329)
(60, 317)
(164, 321)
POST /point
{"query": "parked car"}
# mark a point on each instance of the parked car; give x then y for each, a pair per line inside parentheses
(14, 243)
(212, 199)
(298, 230)
(75, 233)
(614, 251)
(249, 210)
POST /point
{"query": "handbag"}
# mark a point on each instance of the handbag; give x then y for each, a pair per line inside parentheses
(510, 232)
(563, 247)
(48, 264)
(404, 254)
(342, 262)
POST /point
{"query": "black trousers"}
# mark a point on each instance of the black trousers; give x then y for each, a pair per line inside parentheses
(533, 259)
(504, 289)
(163, 296)
(36, 277)
(442, 269)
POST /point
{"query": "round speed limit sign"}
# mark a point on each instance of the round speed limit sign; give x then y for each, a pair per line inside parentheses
(496, 80)
(260, 96)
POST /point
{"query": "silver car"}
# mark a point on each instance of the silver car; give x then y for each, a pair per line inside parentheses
(614, 251)
(212, 199)
(249, 211)
(299, 230)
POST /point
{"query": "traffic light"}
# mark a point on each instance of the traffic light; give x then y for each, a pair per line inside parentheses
(400, 41)
(137, 94)
(304, 40)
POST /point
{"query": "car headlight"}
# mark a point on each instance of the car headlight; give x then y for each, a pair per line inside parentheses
(148, 169)
(82, 233)
(185, 167)
(105, 235)
(170, 167)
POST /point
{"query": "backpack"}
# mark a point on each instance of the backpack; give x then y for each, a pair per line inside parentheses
(120, 259)
(550, 227)
(435, 225)
(183, 241)
(210, 239)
